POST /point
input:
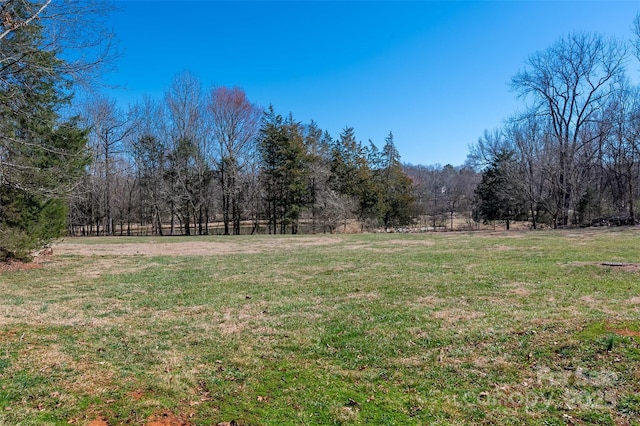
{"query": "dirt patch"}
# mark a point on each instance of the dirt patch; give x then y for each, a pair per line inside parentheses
(16, 265)
(627, 333)
(590, 301)
(520, 291)
(136, 395)
(39, 258)
(517, 288)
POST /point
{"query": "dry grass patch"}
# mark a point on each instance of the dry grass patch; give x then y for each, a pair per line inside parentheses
(427, 301)
(210, 247)
(114, 265)
(254, 319)
(456, 315)
(600, 304)
(412, 242)
(73, 376)
(398, 245)
(520, 291)
(369, 296)
(502, 247)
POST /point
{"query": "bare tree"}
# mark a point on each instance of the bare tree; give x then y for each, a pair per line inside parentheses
(110, 126)
(636, 32)
(527, 137)
(621, 127)
(482, 153)
(235, 123)
(569, 83)
(148, 148)
(189, 174)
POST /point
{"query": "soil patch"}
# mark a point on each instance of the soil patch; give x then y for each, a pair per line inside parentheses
(15, 265)
(627, 333)
(39, 257)
(167, 419)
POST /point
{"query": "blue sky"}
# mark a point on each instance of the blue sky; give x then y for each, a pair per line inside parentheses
(436, 74)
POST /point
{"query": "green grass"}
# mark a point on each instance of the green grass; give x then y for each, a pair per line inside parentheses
(487, 328)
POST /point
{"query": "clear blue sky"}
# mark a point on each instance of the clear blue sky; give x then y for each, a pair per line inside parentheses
(436, 74)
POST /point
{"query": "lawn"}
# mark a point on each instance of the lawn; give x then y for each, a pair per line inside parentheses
(442, 328)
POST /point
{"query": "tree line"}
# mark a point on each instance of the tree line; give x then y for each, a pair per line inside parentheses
(573, 156)
(201, 161)
(199, 157)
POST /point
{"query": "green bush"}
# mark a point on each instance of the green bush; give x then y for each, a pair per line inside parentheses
(27, 222)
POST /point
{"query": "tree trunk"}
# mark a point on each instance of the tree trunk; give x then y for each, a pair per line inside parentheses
(632, 218)
(173, 219)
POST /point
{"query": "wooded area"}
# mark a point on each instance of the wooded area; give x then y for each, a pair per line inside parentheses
(177, 166)
(209, 161)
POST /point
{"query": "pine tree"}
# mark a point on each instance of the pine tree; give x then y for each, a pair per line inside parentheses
(41, 155)
(396, 186)
(498, 194)
(284, 169)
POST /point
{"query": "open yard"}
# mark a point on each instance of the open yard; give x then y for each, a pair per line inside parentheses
(440, 328)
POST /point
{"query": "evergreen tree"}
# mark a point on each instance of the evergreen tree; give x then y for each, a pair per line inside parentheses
(270, 142)
(296, 174)
(396, 186)
(498, 193)
(318, 146)
(41, 156)
(284, 171)
(373, 178)
(351, 174)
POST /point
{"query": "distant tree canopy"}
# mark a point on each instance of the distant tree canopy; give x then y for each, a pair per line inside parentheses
(574, 150)
(179, 165)
(196, 157)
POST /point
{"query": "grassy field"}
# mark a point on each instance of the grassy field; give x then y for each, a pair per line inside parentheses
(452, 328)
